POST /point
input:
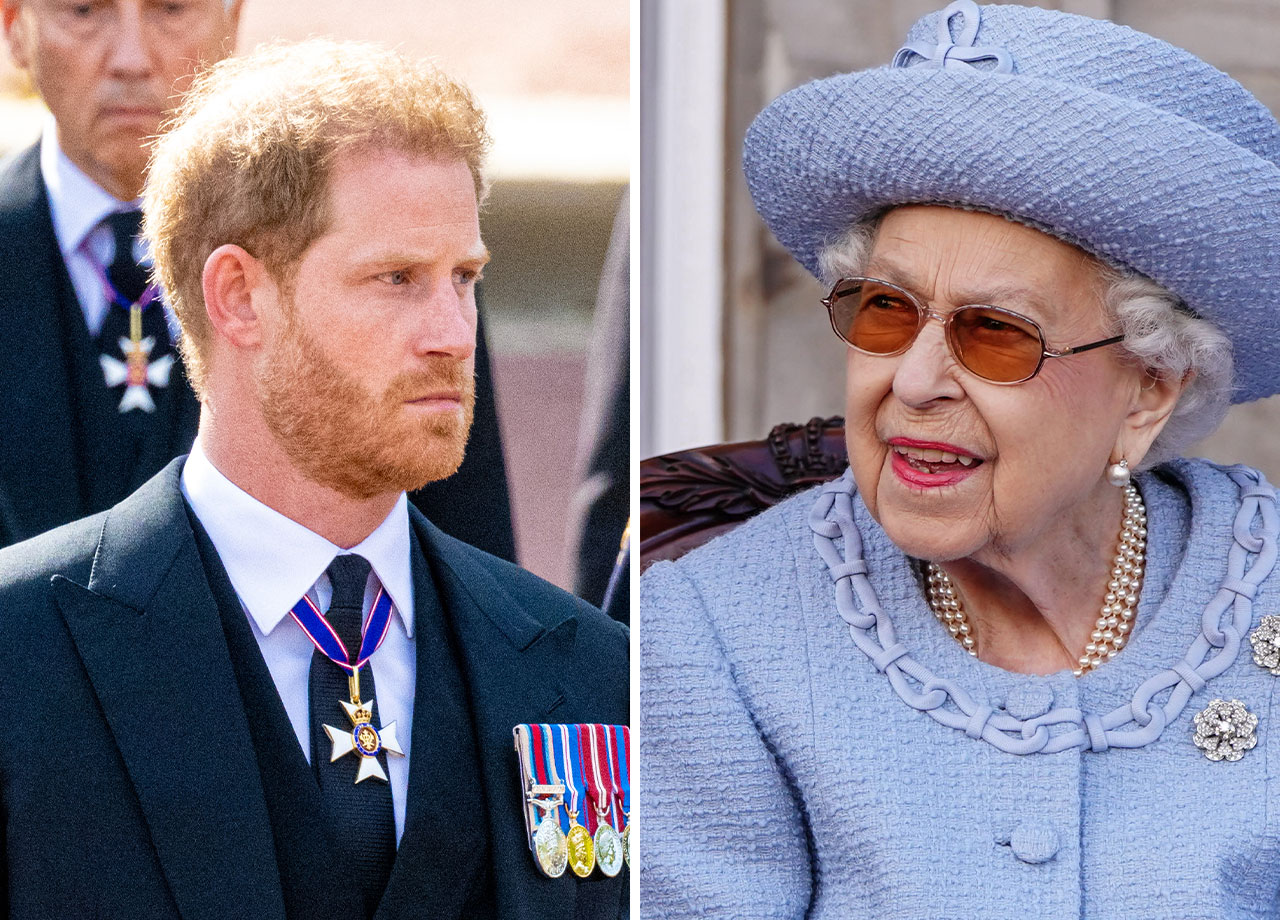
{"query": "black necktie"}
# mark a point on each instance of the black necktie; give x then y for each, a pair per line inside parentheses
(130, 281)
(360, 816)
(125, 274)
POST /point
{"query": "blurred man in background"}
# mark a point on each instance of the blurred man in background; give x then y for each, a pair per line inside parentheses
(96, 400)
(602, 504)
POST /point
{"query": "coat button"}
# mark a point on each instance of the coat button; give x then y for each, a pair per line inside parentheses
(1034, 842)
(1028, 701)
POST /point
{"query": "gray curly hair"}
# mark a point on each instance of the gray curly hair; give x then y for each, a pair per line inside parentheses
(1159, 331)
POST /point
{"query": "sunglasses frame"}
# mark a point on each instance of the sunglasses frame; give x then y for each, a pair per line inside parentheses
(924, 313)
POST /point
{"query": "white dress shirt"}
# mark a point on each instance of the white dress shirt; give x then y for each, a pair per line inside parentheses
(78, 206)
(272, 562)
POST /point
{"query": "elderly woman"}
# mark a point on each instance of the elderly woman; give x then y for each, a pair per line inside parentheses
(1020, 661)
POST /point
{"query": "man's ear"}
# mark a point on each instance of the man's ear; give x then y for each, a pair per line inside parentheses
(237, 290)
(1150, 409)
(17, 31)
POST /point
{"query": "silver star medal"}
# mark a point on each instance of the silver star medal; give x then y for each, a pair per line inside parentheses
(364, 739)
(137, 373)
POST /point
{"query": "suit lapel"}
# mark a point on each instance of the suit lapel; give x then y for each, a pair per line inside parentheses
(37, 452)
(510, 664)
(445, 834)
(147, 628)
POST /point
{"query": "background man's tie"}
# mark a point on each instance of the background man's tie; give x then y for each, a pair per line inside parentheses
(124, 273)
(130, 281)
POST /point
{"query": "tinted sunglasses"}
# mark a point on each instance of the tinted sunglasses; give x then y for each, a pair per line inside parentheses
(1000, 346)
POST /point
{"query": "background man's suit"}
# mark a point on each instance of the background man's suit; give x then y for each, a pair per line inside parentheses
(139, 771)
(56, 458)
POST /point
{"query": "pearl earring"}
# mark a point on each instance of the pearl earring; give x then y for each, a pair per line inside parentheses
(1118, 474)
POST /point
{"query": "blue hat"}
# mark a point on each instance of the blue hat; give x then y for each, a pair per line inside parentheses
(1109, 139)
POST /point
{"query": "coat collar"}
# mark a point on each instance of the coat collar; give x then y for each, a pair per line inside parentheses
(145, 623)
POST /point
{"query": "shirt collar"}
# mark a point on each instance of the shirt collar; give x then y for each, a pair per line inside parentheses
(273, 561)
(77, 204)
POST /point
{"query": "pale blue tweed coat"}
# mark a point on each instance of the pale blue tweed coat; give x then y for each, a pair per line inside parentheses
(783, 776)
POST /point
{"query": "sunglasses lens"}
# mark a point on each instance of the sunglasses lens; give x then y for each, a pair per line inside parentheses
(874, 317)
(995, 345)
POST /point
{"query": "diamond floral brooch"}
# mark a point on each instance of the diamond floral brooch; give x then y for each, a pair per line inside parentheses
(1225, 730)
(1266, 644)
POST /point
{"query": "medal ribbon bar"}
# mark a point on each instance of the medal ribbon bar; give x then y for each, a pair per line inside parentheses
(592, 817)
(533, 779)
(553, 770)
(621, 736)
(583, 768)
(571, 766)
(581, 847)
(599, 785)
(609, 849)
(621, 746)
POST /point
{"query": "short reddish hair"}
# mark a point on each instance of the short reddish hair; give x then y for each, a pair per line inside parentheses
(246, 159)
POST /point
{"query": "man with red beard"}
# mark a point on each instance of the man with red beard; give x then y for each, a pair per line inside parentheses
(264, 684)
(93, 405)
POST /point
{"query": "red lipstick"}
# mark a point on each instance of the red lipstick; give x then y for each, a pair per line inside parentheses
(912, 475)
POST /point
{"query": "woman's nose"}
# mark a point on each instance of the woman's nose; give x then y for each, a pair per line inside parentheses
(927, 370)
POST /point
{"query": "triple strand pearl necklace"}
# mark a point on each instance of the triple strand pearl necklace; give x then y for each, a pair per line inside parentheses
(1114, 623)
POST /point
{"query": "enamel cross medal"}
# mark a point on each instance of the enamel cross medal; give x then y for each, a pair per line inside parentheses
(364, 739)
(137, 372)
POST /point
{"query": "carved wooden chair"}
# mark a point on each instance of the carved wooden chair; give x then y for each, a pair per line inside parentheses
(690, 496)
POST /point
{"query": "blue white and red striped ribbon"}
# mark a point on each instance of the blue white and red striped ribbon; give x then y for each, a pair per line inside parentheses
(616, 742)
(599, 782)
(325, 638)
(553, 757)
(571, 764)
(583, 731)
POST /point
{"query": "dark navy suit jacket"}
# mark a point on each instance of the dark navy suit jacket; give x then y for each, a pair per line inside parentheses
(43, 480)
(128, 781)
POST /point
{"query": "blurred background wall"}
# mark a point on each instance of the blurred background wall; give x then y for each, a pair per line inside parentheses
(553, 78)
(733, 337)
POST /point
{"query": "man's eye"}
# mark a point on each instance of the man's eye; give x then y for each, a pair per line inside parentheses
(397, 278)
(466, 276)
(85, 14)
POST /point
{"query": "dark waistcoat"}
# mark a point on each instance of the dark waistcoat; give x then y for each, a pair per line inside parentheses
(443, 863)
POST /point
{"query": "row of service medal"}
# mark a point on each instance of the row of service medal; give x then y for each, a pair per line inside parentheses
(566, 770)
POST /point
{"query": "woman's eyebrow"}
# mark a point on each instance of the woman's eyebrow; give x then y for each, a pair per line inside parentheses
(1000, 294)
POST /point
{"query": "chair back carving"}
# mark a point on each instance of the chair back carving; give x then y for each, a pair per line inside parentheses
(690, 496)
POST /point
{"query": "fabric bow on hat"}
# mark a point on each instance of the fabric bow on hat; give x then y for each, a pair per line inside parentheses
(951, 53)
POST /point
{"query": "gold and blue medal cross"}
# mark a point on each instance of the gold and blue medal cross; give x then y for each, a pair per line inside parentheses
(363, 737)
